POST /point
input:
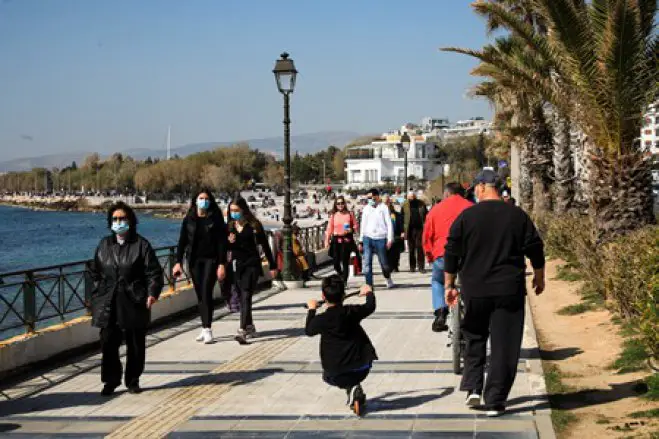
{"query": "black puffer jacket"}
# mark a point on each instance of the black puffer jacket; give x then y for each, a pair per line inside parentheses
(124, 276)
(217, 230)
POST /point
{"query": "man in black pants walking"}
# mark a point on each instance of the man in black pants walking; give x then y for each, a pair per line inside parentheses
(488, 243)
(414, 217)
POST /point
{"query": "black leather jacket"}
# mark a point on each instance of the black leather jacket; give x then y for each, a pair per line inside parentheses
(124, 276)
(217, 230)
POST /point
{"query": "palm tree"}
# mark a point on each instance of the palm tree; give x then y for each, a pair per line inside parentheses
(603, 58)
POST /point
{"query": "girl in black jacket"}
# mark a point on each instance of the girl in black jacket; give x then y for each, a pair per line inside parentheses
(246, 234)
(203, 241)
(128, 280)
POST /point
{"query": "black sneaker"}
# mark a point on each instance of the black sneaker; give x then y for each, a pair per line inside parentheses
(357, 400)
(439, 324)
(134, 389)
(108, 389)
(422, 270)
(241, 337)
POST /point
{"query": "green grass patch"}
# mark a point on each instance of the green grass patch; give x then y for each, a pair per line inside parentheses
(632, 358)
(602, 420)
(562, 419)
(590, 295)
(652, 413)
(568, 273)
(653, 387)
(577, 308)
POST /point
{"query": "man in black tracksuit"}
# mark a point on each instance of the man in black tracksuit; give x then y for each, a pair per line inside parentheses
(487, 244)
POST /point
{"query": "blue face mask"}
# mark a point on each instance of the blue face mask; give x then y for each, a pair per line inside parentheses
(120, 227)
(371, 202)
(236, 216)
(203, 203)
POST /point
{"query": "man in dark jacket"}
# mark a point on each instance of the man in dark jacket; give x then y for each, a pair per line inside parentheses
(128, 280)
(414, 218)
(346, 352)
(487, 243)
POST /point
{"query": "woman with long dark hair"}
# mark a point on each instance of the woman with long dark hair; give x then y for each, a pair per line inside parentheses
(203, 241)
(128, 280)
(339, 237)
(246, 235)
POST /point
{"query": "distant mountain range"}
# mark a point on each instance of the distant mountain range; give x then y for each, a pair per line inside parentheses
(303, 144)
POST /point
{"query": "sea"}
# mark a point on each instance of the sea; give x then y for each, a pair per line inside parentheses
(32, 239)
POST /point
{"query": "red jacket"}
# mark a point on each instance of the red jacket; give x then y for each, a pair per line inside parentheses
(438, 224)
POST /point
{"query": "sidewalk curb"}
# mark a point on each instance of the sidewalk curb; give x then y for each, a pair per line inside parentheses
(536, 378)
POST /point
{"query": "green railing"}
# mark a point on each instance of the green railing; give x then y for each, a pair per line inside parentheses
(40, 297)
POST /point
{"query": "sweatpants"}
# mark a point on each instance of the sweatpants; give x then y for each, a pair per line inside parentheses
(204, 277)
(415, 248)
(502, 319)
(111, 338)
(346, 380)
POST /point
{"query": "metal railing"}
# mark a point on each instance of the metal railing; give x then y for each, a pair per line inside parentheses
(45, 296)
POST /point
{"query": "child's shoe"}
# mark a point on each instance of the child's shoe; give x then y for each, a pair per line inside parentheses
(357, 399)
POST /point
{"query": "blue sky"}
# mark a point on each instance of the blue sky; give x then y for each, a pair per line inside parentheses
(108, 75)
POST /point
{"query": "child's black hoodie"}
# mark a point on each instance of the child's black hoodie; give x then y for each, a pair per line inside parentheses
(344, 345)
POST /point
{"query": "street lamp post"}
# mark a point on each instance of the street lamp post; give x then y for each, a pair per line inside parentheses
(285, 75)
(405, 142)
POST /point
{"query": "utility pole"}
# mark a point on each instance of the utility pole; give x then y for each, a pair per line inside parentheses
(324, 178)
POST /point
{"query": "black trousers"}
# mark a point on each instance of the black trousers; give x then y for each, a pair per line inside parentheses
(342, 258)
(204, 276)
(415, 248)
(502, 319)
(111, 338)
(393, 254)
(346, 380)
(246, 280)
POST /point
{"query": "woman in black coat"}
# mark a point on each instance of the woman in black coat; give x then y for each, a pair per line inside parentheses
(203, 241)
(246, 235)
(128, 280)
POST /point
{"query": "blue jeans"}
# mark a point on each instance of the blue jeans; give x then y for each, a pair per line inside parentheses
(379, 247)
(437, 283)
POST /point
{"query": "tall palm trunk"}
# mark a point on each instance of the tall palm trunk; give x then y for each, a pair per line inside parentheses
(563, 164)
(525, 182)
(540, 142)
(620, 193)
(581, 147)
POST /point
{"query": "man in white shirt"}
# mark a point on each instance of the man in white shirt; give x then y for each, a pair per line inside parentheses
(376, 235)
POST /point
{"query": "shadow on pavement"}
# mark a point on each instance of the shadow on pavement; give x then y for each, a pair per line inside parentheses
(54, 401)
(554, 355)
(277, 307)
(235, 378)
(5, 427)
(264, 336)
(395, 400)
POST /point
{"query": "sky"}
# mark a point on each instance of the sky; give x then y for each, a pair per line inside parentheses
(111, 75)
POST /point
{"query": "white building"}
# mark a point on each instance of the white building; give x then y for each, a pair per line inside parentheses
(383, 160)
(650, 130)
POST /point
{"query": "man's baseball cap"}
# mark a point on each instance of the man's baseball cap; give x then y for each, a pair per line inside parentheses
(488, 177)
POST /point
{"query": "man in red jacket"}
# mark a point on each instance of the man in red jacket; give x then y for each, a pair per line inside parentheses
(435, 233)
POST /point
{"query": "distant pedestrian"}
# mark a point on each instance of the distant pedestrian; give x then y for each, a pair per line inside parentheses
(398, 246)
(414, 217)
(346, 352)
(435, 233)
(376, 237)
(487, 243)
(339, 237)
(128, 280)
(203, 242)
(246, 235)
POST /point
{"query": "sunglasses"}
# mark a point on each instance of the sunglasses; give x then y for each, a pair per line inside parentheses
(340, 204)
(116, 219)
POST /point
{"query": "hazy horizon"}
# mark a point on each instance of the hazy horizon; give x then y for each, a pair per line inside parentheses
(106, 76)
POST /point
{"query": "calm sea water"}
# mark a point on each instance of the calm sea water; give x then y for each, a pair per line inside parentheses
(30, 239)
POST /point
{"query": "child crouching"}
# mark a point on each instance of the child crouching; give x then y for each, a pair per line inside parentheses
(346, 352)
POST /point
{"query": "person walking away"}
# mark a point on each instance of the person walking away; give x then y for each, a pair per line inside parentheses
(346, 352)
(487, 243)
(376, 235)
(507, 198)
(128, 280)
(301, 263)
(393, 254)
(414, 216)
(203, 242)
(435, 233)
(246, 234)
(339, 237)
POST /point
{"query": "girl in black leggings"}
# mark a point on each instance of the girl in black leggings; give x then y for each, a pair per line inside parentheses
(246, 234)
(203, 240)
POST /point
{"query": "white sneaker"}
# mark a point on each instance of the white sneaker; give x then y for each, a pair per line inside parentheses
(496, 412)
(473, 399)
(390, 283)
(208, 336)
(201, 335)
(250, 331)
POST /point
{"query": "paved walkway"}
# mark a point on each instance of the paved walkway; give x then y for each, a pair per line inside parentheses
(272, 388)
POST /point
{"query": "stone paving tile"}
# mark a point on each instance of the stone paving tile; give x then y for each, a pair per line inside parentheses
(412, 390)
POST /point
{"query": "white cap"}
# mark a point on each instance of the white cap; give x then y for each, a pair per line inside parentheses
(505, 194)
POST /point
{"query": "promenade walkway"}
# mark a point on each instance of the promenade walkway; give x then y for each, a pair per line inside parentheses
(272, 388)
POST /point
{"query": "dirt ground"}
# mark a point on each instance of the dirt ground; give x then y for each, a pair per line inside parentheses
(582, 346)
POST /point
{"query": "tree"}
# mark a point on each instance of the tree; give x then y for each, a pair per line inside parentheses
(220, 178)
(92, 161)
(273, 175)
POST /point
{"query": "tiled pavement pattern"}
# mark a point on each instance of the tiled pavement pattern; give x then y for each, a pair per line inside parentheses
(272, 388)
